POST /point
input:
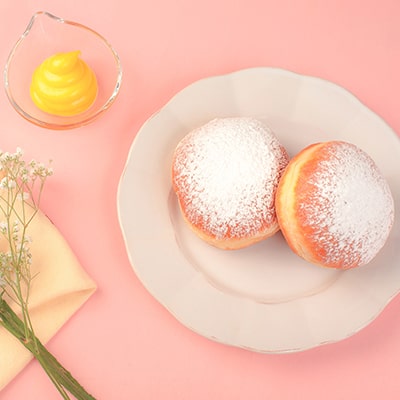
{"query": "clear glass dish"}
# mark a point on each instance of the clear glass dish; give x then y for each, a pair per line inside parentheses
(44, 36)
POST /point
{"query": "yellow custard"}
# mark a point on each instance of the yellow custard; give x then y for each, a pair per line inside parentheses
(64, 85)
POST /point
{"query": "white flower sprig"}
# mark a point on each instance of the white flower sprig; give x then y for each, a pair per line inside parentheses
(21, 187)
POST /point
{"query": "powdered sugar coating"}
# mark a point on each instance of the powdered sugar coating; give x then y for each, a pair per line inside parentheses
(225, 173)
(349, 211)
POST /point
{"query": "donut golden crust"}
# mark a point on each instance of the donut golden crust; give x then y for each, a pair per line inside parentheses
(225, 174)
(334, 207)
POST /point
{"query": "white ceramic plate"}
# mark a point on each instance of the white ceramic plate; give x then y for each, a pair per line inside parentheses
(263, 298)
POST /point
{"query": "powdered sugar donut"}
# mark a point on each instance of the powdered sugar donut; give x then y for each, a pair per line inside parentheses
(334, 207)
(225, 174)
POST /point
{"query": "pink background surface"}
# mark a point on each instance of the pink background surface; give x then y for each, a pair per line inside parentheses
(123, 344)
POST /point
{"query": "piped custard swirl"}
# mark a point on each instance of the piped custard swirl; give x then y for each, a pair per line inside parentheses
(64, 85)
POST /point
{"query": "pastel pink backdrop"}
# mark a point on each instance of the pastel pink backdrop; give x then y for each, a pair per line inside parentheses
(122, 344)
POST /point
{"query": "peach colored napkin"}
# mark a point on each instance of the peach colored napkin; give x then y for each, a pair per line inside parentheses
(59, 289)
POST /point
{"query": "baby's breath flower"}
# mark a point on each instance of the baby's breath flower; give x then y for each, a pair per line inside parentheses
(19, 202)
(21, 188)
(4, 157)
(3, 227)
(4, 183)
(23, 196)
(40, 170)
(18, 192)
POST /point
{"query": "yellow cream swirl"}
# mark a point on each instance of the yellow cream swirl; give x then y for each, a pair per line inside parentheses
(64, 85)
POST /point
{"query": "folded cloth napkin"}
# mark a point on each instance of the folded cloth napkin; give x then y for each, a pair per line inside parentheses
(60, 287)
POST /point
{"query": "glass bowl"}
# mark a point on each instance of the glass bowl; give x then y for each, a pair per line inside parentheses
(44, 36)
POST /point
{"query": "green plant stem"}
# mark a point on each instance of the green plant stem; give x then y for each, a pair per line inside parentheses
(61, 378)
